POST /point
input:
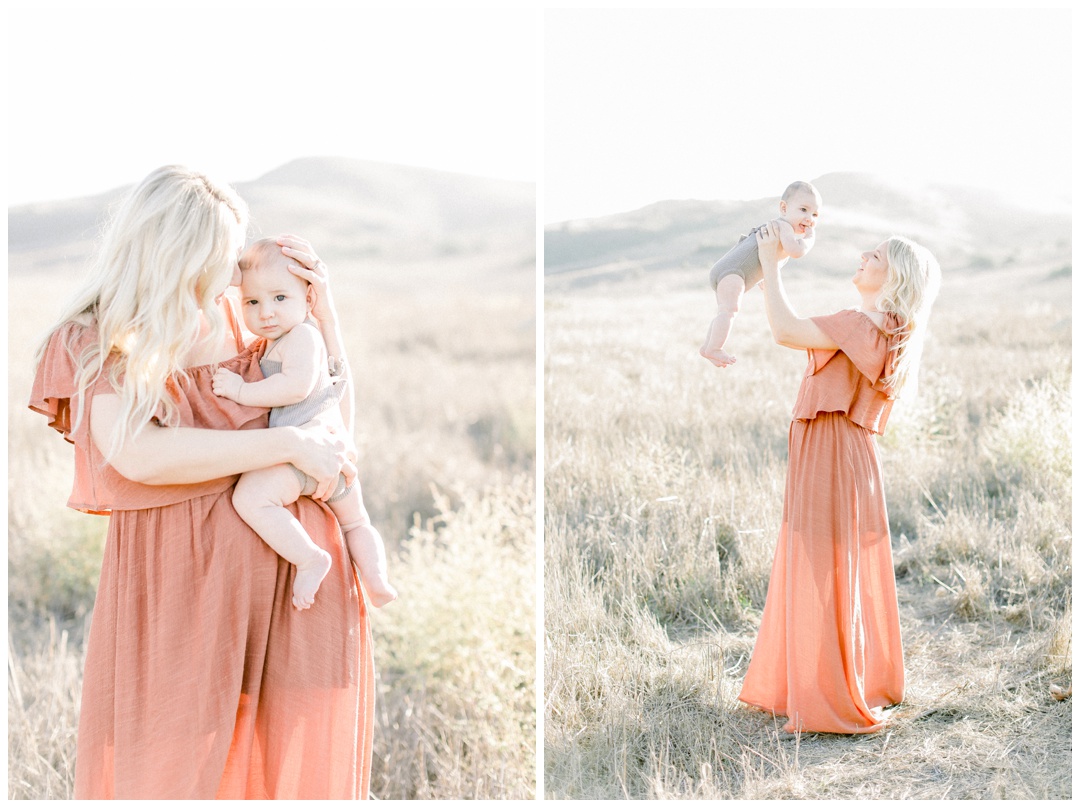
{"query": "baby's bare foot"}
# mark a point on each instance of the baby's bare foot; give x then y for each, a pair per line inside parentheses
(308, 579)
(380, 592)
(717, 356)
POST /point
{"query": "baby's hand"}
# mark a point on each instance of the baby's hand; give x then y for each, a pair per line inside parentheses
(227, 384)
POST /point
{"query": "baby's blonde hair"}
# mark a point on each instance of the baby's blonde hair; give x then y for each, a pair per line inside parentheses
(168, 251)
(263, 249)
(910, 288)
(799, 187)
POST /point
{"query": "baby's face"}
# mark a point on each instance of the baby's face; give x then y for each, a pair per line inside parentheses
(273, 300)
(801, 212)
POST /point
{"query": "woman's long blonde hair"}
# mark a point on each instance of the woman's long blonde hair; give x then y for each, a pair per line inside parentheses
(910, 288)
(169, 250)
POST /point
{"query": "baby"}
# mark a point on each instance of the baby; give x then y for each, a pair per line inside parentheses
(298, 387)
(740, 269)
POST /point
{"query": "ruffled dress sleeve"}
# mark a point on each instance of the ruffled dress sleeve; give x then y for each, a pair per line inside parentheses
(849, 378)
(859, 338)
(54, 383)
(98, 487)
(54, 395)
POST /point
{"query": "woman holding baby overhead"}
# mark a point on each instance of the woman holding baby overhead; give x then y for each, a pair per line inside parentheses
(201, 679)
(829, 655)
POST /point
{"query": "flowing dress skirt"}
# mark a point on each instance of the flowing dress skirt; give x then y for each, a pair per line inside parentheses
(829, 655)
(202, 681)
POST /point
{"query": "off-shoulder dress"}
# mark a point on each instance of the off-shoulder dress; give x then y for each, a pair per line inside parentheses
(201, 679)
(829, 655)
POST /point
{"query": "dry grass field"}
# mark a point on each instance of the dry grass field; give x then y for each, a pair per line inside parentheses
(663, 491)
(443, 342)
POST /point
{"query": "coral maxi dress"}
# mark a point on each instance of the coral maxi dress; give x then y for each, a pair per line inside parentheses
(828, 655)
(201, 679)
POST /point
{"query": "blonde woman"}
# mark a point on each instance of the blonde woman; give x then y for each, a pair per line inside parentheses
(829, 655)
(201, 680)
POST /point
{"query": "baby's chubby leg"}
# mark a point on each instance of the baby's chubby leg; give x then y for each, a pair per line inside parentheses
(365, 546)
(260, 498)
(729, 292)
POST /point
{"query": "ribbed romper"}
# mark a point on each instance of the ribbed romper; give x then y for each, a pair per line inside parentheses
(327, 393)
(741, 260)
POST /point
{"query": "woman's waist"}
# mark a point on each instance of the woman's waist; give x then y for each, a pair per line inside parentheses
(117, 493)
(863, 405)
(859, 419)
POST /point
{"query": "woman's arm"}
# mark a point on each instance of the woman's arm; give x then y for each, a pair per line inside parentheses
(311, 269)
(787, 327)
(182, 455)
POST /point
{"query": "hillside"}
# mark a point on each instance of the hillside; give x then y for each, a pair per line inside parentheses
(352, 210)
(964, 227)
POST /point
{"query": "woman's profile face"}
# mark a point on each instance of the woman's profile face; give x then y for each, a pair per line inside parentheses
(873, 269)
(234, 278)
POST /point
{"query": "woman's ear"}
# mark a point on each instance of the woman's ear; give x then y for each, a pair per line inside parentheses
(310, 298)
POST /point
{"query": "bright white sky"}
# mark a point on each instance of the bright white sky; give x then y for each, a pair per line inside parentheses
(644, 105)
(638, 104)
(100, 96)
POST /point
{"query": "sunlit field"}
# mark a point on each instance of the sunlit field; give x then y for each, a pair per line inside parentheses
(446, 434)
(663, 495)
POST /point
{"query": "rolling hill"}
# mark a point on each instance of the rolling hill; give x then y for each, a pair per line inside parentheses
(965, 228)
(355, 212)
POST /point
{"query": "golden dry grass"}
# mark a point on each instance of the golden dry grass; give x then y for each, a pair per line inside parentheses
(446, 432)
(663, 486)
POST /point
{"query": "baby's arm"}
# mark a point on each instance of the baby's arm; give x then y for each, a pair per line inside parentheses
(301, 353)
(793, 245)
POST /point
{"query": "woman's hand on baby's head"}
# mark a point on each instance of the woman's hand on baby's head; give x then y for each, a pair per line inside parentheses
(227, 384)
(309, 267)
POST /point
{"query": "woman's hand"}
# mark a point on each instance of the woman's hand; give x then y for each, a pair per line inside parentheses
(787, 327)
(768, 245)
(310, 268)
(323, 454)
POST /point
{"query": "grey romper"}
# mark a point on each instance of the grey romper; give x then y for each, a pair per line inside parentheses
(741, 260)
(327, 393)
